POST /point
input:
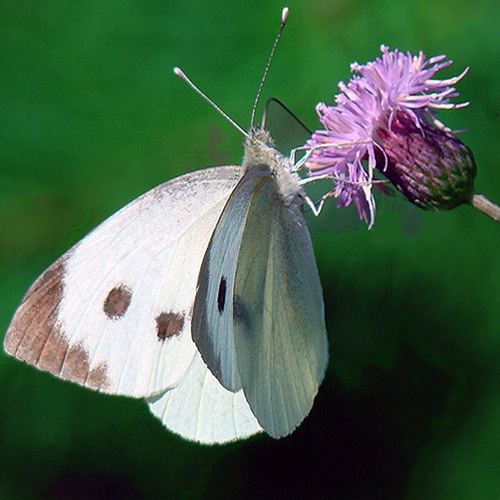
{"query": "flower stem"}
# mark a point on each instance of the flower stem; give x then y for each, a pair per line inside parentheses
(486, 206)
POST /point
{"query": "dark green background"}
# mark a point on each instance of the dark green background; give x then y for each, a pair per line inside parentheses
(91, 116)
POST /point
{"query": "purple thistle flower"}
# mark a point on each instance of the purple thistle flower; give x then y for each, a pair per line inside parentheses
(385, 118)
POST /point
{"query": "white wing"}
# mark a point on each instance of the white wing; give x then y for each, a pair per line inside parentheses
(114, 312)
(279, 326)
(212, 328)
(258, 319)
(200, 409)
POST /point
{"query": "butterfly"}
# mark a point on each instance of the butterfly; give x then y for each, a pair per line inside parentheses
(201, 296)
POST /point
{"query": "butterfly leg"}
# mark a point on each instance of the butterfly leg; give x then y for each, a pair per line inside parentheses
(315, 208)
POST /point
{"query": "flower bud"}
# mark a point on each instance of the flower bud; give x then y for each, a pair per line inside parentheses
(430, 166)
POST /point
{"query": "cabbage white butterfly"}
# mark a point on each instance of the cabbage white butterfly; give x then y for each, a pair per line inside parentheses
(201, 296)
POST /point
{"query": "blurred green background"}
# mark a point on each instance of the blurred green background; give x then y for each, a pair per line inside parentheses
(92, 116)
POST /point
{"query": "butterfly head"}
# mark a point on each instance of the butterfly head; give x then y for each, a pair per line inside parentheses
(260, 150)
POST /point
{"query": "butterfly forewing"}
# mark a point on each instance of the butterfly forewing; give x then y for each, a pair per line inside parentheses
(279, 327)
(114, 312)
(212, 328)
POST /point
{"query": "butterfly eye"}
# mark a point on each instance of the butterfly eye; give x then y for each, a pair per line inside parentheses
(168, 325)
(117, 302)
(221, 296)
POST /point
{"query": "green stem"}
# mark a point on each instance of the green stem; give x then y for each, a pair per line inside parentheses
(486, 206)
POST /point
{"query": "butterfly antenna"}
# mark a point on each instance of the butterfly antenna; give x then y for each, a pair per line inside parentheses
(284, 18)
(182, 75)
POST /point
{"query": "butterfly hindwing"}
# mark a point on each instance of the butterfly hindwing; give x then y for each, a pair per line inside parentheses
(279, 326)
(200, 409)
(114, 312)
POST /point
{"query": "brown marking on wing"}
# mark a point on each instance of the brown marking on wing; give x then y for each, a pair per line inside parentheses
(117, 302)
(76, 364)
(36, 318)
(35, 334)
(53, 353)
(98, 378)
(76, 368)
(168, 325)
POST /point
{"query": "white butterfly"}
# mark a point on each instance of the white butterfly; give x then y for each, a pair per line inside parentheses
(201, 296)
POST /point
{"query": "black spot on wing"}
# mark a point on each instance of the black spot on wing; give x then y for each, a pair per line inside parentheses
(117, 302)
(221, 296)
(168, 325)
